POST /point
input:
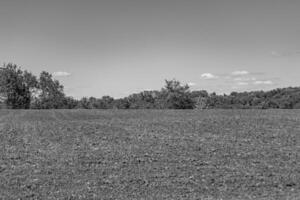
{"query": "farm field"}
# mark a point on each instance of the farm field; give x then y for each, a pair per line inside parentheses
(150, 154)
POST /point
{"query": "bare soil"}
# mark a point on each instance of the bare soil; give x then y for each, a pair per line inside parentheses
(150, 154)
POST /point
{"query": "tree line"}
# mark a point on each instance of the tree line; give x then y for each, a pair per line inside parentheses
(22, 90)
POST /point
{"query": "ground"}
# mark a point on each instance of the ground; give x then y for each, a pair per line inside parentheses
(150, 154)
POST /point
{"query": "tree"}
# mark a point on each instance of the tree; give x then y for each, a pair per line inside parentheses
(106, 102)
(17, 86)
(51, 95)
(200, 98)
(84, 103)
(122, 103)
(176, 96)
(70, 103)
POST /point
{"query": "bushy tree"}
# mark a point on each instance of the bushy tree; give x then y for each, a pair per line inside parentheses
(84, 103)
(106, 102)
(70, 103)
(176, 96)
(122, 103)
(17, 86)
(142, 100)
(50, 94)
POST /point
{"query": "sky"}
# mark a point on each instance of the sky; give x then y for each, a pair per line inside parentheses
(119, 47)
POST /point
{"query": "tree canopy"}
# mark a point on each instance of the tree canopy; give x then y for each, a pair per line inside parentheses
(16, 85)
(22, 90)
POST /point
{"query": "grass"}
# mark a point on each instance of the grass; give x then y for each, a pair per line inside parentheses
(148, 154)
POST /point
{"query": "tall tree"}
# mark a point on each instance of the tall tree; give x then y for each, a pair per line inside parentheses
(51, 94)
(17, 86)
(176, 96)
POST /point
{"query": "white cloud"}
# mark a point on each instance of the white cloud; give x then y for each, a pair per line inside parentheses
(191, 84)
(268, 82)
(245, 79)
(238, 79)
(208, 76)
(240, 73)
(61, 74)
(243, 83)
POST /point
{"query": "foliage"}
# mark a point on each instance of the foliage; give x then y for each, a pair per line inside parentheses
(21, 89)
(51, 95)
(285, 98)
(16, 85)
(106, 102)
(172, 96)
(176, 96)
